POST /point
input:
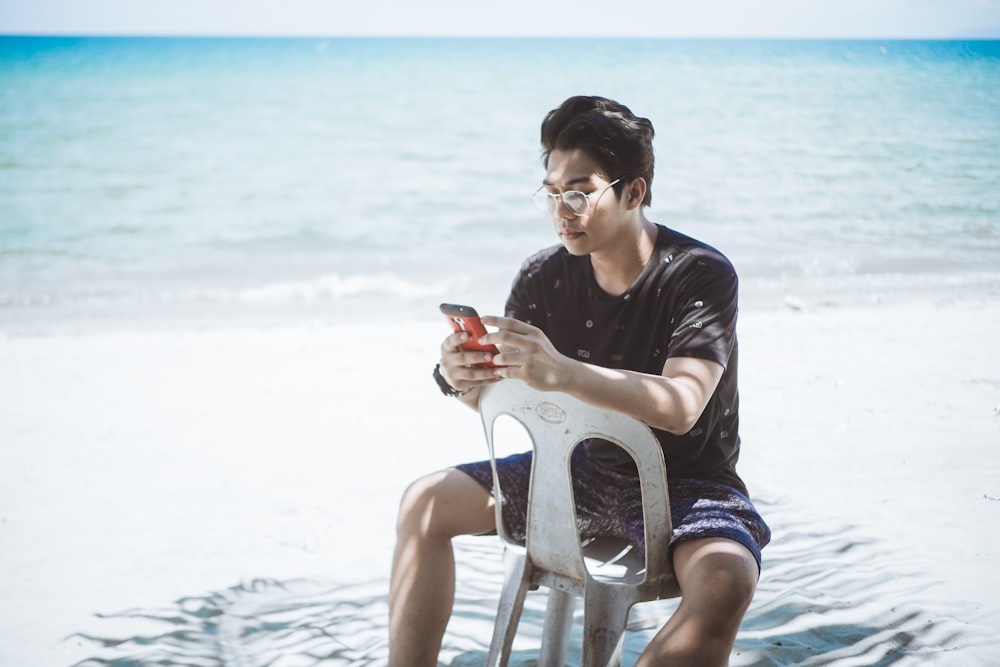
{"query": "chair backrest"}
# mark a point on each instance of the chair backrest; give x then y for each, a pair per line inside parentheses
(557, 423)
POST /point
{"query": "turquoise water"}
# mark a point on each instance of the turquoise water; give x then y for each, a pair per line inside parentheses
(148, 178)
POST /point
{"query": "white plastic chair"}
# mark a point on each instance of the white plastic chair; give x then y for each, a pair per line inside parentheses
(552, 555)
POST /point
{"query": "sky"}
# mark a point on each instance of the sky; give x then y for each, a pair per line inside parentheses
(483, 18)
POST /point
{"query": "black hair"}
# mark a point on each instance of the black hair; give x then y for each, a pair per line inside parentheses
(619, 141)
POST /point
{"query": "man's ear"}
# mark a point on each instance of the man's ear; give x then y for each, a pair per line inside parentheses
(634, 193)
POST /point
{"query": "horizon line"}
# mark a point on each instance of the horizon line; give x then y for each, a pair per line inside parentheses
(221, 35)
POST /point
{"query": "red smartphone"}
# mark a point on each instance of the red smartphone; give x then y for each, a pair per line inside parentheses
(465, 318)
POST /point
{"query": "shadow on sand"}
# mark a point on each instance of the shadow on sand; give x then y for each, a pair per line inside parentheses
(827, 597)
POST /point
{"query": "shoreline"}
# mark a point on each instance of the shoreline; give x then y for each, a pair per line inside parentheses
(151, 311)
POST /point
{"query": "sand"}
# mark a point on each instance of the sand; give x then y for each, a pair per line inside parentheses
(227, 494)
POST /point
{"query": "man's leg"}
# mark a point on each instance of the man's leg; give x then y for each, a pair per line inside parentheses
(717, 578)
(434, 509)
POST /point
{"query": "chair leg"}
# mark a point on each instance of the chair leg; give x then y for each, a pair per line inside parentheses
(517, 574)
(605, 617)
(557, 629)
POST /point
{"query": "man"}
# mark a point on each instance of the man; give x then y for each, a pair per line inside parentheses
(627, 315)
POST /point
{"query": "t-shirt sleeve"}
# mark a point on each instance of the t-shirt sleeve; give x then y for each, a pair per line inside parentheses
(705, 315)
(522, 302)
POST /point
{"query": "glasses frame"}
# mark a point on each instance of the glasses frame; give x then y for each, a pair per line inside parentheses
(548, 202)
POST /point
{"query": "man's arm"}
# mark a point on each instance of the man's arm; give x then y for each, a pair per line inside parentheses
(672, 401)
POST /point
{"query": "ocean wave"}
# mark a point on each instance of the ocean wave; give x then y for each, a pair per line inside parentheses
(326, 287)
(331, 286)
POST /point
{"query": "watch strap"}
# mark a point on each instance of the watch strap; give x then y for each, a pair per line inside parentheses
(443, 385)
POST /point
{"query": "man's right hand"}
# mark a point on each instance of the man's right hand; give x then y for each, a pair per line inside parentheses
(461, 370)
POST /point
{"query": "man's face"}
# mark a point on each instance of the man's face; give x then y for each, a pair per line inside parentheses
(593, 230)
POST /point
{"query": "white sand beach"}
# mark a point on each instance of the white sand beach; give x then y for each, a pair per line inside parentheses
(227, 495)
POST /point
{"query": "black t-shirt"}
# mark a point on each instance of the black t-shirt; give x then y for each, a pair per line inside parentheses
(683, 304)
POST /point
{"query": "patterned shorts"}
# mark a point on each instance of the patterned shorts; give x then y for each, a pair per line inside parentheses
(609, 504)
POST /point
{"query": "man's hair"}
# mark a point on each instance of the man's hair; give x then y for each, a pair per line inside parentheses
(619, 141)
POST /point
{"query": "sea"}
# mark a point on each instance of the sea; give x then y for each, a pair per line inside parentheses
(205, 181)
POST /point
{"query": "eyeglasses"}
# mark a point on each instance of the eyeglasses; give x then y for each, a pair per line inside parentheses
(577, 202)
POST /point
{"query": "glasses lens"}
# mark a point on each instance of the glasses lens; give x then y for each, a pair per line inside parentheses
(545, 202)
(575, 201)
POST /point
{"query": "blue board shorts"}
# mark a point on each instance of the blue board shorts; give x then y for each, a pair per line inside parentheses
(609, 504)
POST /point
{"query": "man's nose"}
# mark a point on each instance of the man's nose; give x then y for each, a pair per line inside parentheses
(562, 211)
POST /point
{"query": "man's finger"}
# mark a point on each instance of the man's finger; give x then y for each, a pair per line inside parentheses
(507, 324)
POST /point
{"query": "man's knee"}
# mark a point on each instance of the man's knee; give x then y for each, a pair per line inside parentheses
(416, 507)
(445, 504)
(720, 574)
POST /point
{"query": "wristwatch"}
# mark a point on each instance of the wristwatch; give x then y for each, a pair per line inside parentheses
(443, 385)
